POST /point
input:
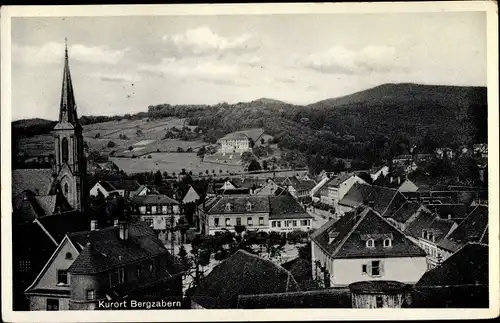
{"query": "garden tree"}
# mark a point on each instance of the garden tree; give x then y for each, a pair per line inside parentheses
(213, 171)
(305, 252)
(141, 178)
(183, 171)
(191, 172)
(264, 164)
(247, 157)
(158, 179)
(239, 229)
(185, 261)
(189, 150)
(466, 171)
(180, 150)
(130, 148)
(254, 165)
(97, 135)
(201, 152)
(206, 171)
(111, 144)
(165, 174)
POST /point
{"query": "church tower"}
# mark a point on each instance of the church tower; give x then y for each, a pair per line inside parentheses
(70, 164)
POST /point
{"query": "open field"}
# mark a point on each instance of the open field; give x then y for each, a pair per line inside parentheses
(171, 162)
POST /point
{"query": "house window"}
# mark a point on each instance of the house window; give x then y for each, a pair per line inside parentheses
(370, 243)
(430, 236)
(138, 271)
(228, 206)
(62, 277)
(273, 224)
(285, 223)
(261, 221)
(164, 209)
(68, 255)
(379, 301)
(278, 223)
(216, 222)
(249, 222)
(364, 269)
(149, 221)
(387, 242)
(152, 266)
(66, 188)
(64, 149)
(294, 223)
(52, 304)
(24, 266)
(238, 221)
(375, 268)
(142, 209)
(424, 234)
(90, 294)
(153, 209)
(121, 275)
(228, 222)
(249, 206)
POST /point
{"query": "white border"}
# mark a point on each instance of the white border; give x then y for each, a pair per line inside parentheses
(249, 9)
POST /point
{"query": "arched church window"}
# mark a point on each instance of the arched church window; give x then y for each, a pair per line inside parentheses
(66, 188)
(64, 148)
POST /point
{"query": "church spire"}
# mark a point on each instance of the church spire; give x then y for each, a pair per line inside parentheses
(67, 109)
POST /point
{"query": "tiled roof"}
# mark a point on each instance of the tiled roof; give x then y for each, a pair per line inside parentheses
(304, 185)
(469, 265)
(235, 136)
(430, 222)
(153, 199)
(108, 186)
(126, 184)
(355, 227)
(239, 204)
(323, 298)
(453, 210)
(58, 225)
(405, 212)
(337, 180)
(47, 203)
(360, 194)
(472, 229)
(103, 249)
(248, 182)
(286, 207)
(300, 269)
(242, 274)
(38, 181)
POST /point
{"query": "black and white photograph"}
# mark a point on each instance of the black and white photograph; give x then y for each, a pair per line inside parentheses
(235, 157)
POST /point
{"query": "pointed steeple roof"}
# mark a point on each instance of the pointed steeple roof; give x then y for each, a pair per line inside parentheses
(67, 109)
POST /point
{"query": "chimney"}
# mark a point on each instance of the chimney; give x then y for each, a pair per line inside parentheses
(93, 225)
(115, 223)
(123, 230)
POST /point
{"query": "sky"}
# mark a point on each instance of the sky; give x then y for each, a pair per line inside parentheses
(125, 64)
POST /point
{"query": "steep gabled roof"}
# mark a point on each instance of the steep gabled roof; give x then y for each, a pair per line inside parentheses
(39, 181)
(382, 197)
(153, 199)
(126, 184)
(353, 230)
(239, 204)
(405, 212)
(58, 225)
(242, 274)
(102, 249)
(469, 265)
(191, 195)
(430, 222)
(47, 203)
(286, 207)
(472, 229)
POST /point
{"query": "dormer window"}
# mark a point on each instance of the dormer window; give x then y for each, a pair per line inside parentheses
(228, 206)
(430, 236)
(370, 243)
(424, 234)
(249, 206)
(387, 243)
(332, 235)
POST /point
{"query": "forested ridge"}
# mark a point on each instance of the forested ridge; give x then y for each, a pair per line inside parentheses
(369, 127)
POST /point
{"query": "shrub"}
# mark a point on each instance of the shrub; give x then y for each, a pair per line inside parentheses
(111, 144)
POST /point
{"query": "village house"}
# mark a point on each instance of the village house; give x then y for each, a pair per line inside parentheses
(295, 186)
(229, 211)
(125, 261)
(121, 187)
(315, 191)
(157, 210)
(375, 173)
(363, 246)
(269, 188)
(286, 214)
(408, 186)
(383, 200)
(333, 190)
(427, 230)
(242, 141)
(406, 214)
(241, 274)
(474, 228)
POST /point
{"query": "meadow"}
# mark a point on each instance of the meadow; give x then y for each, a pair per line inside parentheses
(172, 162)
